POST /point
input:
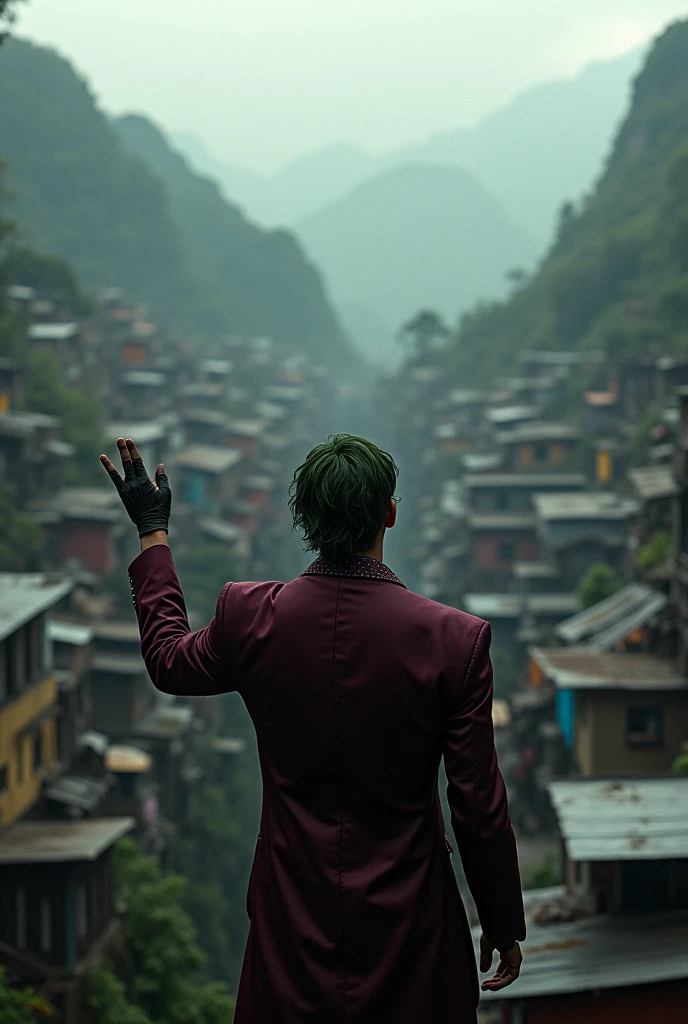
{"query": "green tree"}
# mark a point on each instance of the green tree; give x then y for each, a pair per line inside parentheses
(424, 333)
(108, 998)
(80, 411)
(48, 274)
(680, 764)
(20, 1006)
(162, 941)
(20, 537)
(215, 851)
(204, 568)
(655, 551)
(598, 583)
(543, 874)
(7, 15)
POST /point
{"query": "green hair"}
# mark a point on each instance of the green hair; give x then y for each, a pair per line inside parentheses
(339, 496)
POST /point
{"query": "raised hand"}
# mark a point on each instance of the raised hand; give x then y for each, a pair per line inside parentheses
(508, 969)
(148, 504)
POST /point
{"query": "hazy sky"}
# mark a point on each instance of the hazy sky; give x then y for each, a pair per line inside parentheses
(264, 81)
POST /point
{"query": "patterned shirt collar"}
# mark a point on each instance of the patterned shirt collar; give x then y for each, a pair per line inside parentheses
(358, 567)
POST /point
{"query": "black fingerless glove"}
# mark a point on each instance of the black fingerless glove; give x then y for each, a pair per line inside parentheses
(148, 505)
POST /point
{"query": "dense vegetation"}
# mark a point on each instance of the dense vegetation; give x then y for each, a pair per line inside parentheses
(616, 276)
(258, 281)
(21, 1005)
(160, 232)
(168, 987)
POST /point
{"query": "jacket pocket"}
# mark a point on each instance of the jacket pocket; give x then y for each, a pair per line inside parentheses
(249, 890)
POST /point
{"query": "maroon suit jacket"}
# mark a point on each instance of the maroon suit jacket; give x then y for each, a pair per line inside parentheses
(356, 687)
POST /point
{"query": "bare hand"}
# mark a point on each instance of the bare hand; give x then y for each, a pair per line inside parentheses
(508, 969)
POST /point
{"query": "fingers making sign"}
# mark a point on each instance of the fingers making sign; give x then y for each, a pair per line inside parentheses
(148, 503)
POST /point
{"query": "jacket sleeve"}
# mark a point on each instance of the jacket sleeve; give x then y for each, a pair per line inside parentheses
(478, 803)
(178, 661)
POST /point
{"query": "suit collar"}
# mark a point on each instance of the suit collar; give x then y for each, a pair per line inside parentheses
(358, 567)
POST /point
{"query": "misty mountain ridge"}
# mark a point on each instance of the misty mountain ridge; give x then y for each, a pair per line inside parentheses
(415, 236)
(125, 210)
(544, 147)
(616, 276)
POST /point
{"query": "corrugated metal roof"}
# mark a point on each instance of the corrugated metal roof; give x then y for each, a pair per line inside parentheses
(247, 428)
(165, 721)
(18, 424)
(585, 505)
(33, 842)
(221, 367)
(229, 745)
(24, 595)
(529, 481)
(464, 396)
(606, 623)
(142, 433)
(82, 792)
(144, 378)
(539, 431)
(208, 458)
(53, 332)
(579, 668)
(74, 633)
(534, 571)
(512, 606)
(506, 414)
(620, 819)
(554, 358)
(601, 952)
(478, 462)
(210, 417)
(652, 482)
(500, 520)
(218, 529)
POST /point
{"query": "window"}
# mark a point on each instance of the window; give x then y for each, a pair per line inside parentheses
(20, 917)
(82, 912)
(541, 452)
(37, 750)
(507, 551)
(3, 779)
(46, 925)
(644, 727)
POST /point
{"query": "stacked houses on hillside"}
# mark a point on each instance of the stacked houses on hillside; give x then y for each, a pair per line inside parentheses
(89, 750)
(516, 507)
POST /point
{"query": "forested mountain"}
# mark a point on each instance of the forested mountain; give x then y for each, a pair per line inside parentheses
(258, 279)
(163, 234)
(416, 236)
(542, 148)
(616, 277)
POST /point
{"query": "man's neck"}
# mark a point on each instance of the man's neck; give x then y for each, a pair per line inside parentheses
(375, 552)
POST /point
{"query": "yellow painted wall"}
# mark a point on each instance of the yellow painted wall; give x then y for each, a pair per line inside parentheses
(23, 786)
(604, 467)
(600, 741)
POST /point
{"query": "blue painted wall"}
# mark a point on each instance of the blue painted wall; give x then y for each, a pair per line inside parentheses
(565, 703)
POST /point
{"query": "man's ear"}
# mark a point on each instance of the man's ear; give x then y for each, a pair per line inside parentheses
(391, 514)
